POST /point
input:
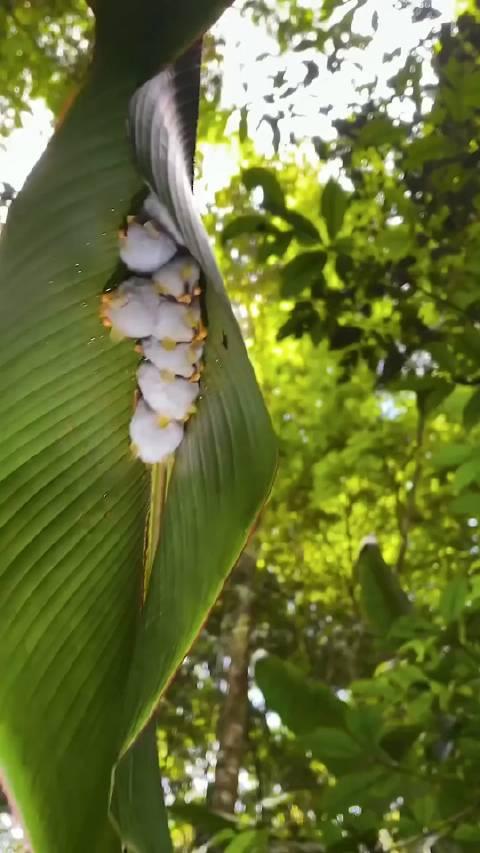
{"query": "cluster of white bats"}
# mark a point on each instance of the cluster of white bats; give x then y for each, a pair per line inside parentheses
(159, 307)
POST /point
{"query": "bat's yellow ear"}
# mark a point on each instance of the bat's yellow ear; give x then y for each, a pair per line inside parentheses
(162, 421)
(168, 344)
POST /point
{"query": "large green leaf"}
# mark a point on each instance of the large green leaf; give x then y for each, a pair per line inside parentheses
(137, 806)
(225, 465)
(72, 500)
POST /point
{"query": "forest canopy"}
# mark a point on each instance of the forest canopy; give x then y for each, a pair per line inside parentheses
(331, 701)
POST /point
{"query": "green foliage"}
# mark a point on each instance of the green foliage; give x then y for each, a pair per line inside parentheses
(401, 269)
(303, 229)
(302, 706)
(199, 816)
(358, 301)
(253, 223)
(334, 204)
(365, 343)
(250, 841)
(471, 412)
(406, 727)
(303, 270)
(382, 598)
(44, 51)
(269, 184)
(453, 599)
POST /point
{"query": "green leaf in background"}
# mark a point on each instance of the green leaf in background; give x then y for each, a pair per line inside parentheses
(325, 743)
(356, 789)
(200, 817)
(304, 229)
(467, 473)
(433, 396)
(303, 317)
(453, 598)
(396, 241)
(333, 206)
(431, 147)
(425, 809)
(466, 504)
(471, 412)
(302, 704)
(364, 724)
(269, 183)
(398, 740)
(301, 272)
(468, 833)
(137, 805)
(333, 836)
(274, 245)
(250, 841)
(243, 125)
(225, 465)
(382, 598)
(451, 455)
(251, 223)
(380, 131)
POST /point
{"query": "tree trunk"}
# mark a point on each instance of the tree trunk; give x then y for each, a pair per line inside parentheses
(232, 724)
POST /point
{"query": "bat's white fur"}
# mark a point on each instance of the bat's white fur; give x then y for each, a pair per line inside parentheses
(153, 443)
(168, 395)
(144, 249)
(176, 322)
(132, 308)
(178, 278)
(180, 360)
(163, 312)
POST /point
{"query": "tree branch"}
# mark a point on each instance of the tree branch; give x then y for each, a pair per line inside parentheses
(233, 716)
